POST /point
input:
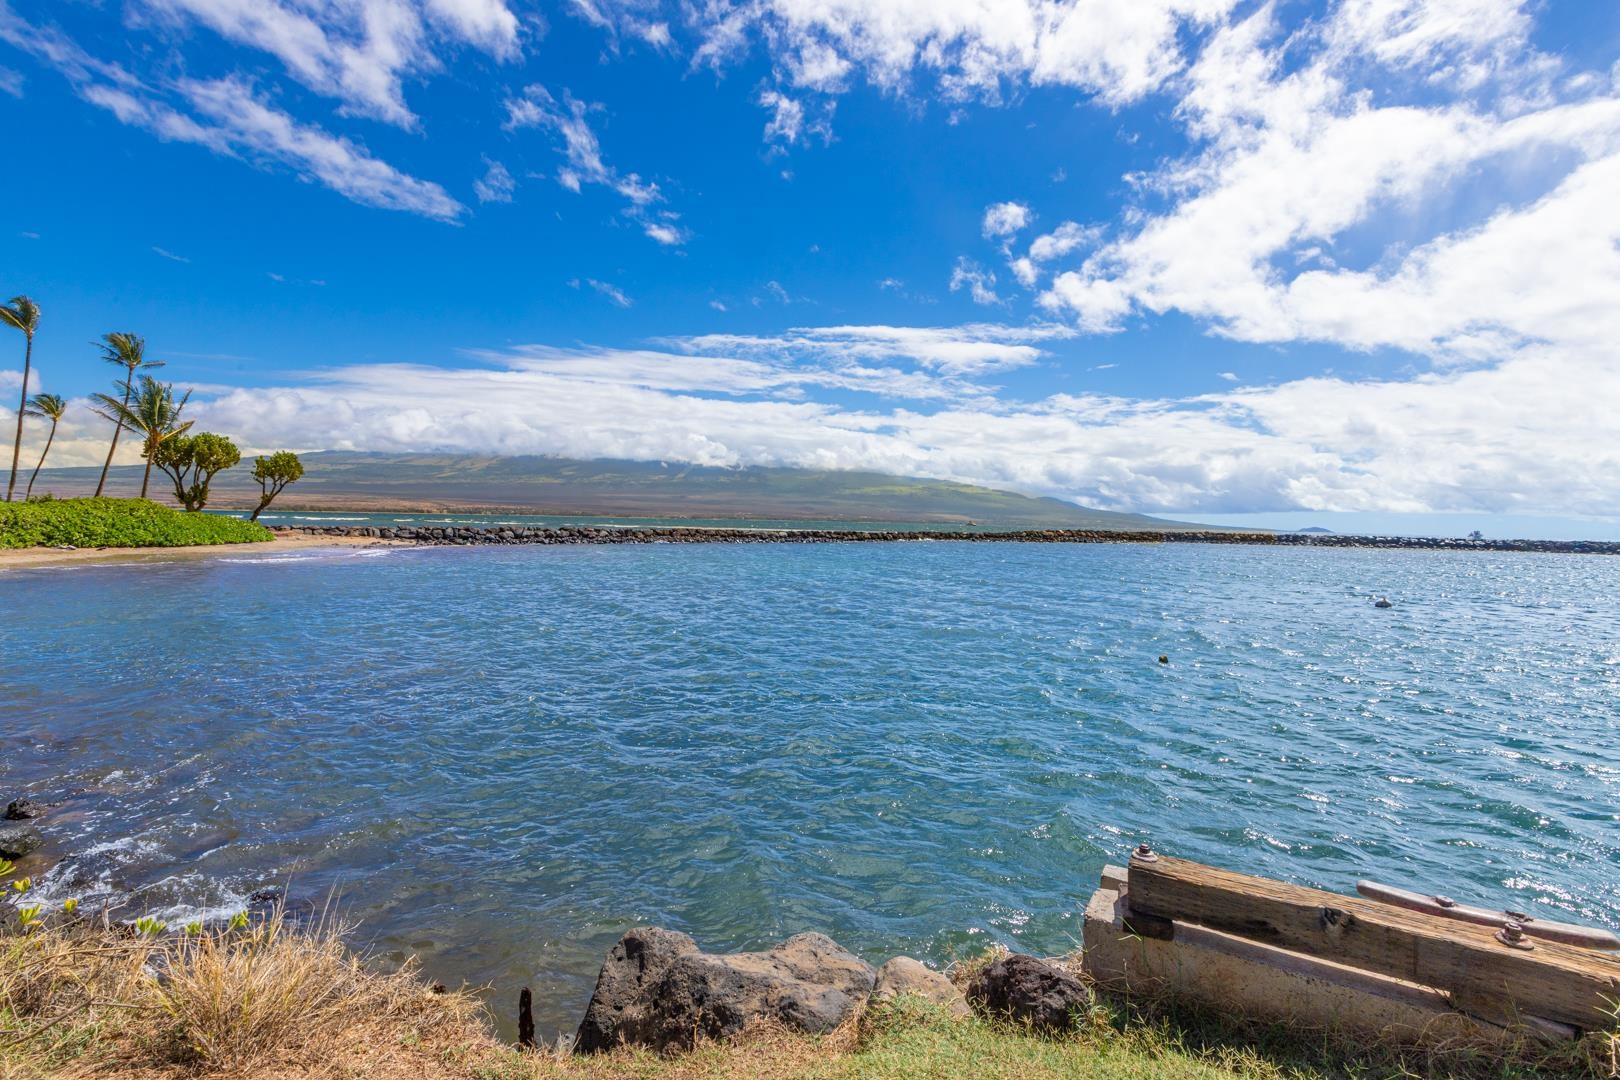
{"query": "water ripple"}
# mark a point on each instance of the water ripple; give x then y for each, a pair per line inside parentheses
(504, 757)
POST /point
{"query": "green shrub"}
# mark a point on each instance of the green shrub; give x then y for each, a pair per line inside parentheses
(117, 523)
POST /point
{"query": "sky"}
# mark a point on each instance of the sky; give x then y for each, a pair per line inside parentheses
(1270, 263)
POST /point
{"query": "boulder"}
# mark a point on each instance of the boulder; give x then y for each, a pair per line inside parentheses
(23, 809)
(903, 976)
(18, 840)
(808, 983)
(638, 960)
(1029, 991)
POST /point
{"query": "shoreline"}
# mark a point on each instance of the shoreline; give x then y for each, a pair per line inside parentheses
(35, 557)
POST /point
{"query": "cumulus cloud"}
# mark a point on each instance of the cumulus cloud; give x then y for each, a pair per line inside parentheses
(1005, 219)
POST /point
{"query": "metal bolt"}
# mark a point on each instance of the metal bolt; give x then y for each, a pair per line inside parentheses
(1145, 853)
(1445, 901)
(1512, 935)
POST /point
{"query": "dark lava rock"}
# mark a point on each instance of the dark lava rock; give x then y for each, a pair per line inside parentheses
(638, 960)
(808, 983)
(23, 809)
(18, 840)
(1029, 991)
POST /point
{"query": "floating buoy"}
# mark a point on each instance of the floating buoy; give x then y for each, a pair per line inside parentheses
(1164, 659)
(1382, 601)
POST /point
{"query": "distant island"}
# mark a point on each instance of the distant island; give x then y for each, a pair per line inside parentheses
(341, 480)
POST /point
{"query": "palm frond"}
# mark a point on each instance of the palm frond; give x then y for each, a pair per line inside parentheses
(20, 313)
(47, 406)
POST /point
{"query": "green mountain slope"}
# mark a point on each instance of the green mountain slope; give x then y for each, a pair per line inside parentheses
(352, 481)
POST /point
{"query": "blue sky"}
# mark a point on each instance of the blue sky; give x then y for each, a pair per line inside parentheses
(1202, 257)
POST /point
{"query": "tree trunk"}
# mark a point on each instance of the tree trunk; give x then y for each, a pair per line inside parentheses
(146, 478)
(48, 440)
(16, 446)
(129, 388)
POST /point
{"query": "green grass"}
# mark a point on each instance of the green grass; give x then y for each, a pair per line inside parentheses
(90, 523)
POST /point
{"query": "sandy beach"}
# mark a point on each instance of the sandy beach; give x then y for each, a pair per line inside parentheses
(31, 558)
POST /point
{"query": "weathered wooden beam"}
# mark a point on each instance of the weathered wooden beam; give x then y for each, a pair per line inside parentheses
(1559, 982)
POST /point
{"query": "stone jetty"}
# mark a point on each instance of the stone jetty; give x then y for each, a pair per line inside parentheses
(468, 535)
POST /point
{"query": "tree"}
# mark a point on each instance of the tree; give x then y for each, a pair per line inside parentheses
(153, 412)
(191, 461)
(128, 351)
(20, 314)
(273, 474)
(46, 407)
(1476, 535)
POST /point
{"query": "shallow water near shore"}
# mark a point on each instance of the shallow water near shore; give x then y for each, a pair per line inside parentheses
(503, 757)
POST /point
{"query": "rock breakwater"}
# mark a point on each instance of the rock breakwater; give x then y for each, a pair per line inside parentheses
(467, 536)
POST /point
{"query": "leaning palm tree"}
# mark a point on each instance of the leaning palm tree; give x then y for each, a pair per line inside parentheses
(46, 407)
(153, 412)
(128, 351)
(21, 314)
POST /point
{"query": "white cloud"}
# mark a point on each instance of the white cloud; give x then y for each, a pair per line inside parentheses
(11, 82)
(980, 283)
(791, 119)
(496, 185)
(582, 152)
(1293, 159)
(612, 292)
(1005, 219)
(1118, 50)
(228, 117)
(170, 255)
(358, 51)
(1229, 376)
(1313, 444)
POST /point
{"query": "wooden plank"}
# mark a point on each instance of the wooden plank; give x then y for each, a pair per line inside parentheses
(1586, 937)
(1552, 980)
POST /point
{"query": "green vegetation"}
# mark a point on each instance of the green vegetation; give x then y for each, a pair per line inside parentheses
(128, 351)
(116, 523)
(20, 314)
(154, 413)
(273, 474)
(192, 461)
(46, 407)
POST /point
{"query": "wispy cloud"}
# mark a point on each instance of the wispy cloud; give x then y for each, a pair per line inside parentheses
(228, 117)
(170, 255)
(496, 185)
(612, 292)
(358, 52)
(979, 282)
(11, 82)
(583, 162)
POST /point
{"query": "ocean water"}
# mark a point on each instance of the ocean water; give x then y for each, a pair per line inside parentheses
(499, 759)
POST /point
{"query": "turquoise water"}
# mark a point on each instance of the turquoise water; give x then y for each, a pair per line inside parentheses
(504, 757)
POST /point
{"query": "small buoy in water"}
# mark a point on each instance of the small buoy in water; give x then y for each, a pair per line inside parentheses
(1164, 659)
(1382, 601)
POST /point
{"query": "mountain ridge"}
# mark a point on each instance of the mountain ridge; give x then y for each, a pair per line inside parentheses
(353, 480)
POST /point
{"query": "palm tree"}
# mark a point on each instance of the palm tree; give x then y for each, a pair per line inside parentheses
(128, 351)
(46, 407)
(21, 314)
(154, 413)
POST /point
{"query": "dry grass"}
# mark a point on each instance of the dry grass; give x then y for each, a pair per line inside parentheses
(83, 999)
(87, 998)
